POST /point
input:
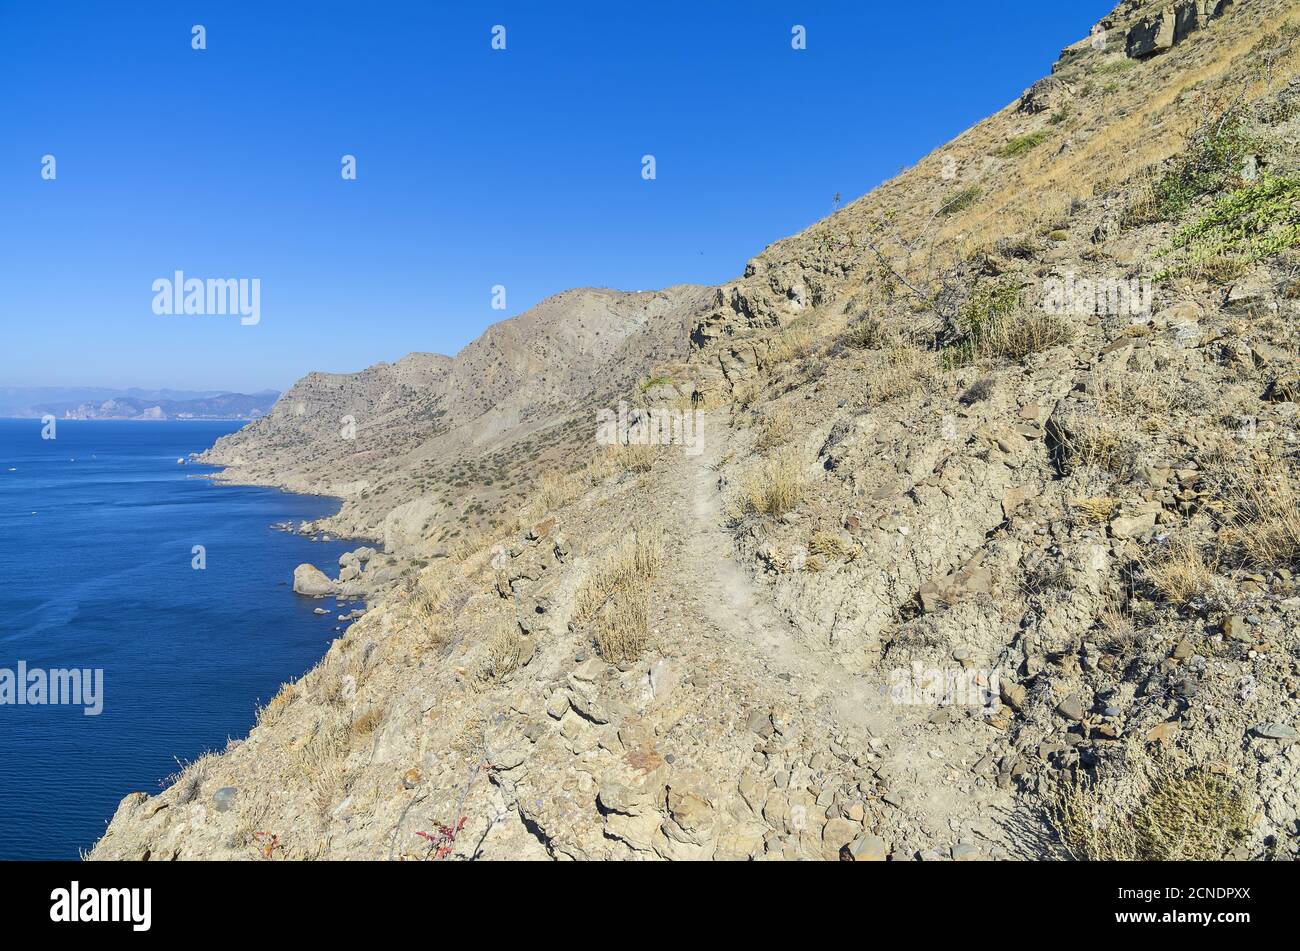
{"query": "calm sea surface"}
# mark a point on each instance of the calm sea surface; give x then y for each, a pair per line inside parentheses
(97, 531)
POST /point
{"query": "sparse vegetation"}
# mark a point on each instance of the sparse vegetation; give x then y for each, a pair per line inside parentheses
(900, 371)
(1181, 570)
(1249, 225)
(502, 656)
(774, 487)
(960, 201)
(777, 429)
(1215, 159)
(614, 601)
(995, 324)
(829, 545)
(1175, 814)
(1259, 505)
(1096, 509)
(1022, 144)
(367, 722)
(867, 333)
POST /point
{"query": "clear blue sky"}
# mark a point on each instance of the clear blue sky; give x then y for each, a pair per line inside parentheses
(475, 167)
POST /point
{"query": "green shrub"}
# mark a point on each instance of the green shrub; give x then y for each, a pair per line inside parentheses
(1214, 161)
(1022, 144)
(960, 201)
(994, 324)
(1245, 226)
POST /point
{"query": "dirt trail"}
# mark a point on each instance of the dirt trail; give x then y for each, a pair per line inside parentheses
(729, 604)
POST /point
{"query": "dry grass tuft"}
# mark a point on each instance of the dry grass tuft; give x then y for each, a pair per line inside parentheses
(1259, 505)
(867, 333)
(1181, 571)
(777, 429)
(790, 344)
(775, 487)
(1096, 509)
(426, 616)
(996, 324)
(615, 601)
(828, 545)
(1090, 440)
(368, 722)
(283, 697)
(902, 371)
(504, 652)
(320, 763)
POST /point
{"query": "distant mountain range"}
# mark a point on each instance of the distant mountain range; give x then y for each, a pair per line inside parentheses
(86, 402)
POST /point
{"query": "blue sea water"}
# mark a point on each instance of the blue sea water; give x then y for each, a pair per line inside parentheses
(97, 529)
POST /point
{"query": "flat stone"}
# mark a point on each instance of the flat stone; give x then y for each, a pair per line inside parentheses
(1071, 708)
(865, 848)
(1275, 731)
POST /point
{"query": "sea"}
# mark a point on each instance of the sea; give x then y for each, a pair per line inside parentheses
(172, 592)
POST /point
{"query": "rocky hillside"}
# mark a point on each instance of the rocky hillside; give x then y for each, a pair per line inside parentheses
(430, 447)
(988, 550)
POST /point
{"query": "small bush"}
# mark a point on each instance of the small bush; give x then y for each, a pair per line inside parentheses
(1022, 144)
(1214, 160)
(960, 201)
(868, 333)
(1175, 815)
(996, 324)
(1248, 225)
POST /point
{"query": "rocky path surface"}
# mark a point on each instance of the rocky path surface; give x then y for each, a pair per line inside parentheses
(925, 765)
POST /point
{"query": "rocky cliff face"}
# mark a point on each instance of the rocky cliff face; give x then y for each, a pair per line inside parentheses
(989, 549)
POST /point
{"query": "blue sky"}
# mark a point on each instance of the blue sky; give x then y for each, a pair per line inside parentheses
(475, 167)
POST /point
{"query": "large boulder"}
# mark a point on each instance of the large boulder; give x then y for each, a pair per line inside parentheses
(311, 581)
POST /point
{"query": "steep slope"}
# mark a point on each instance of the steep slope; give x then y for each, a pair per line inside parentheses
(475, 431)
(990, 549)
